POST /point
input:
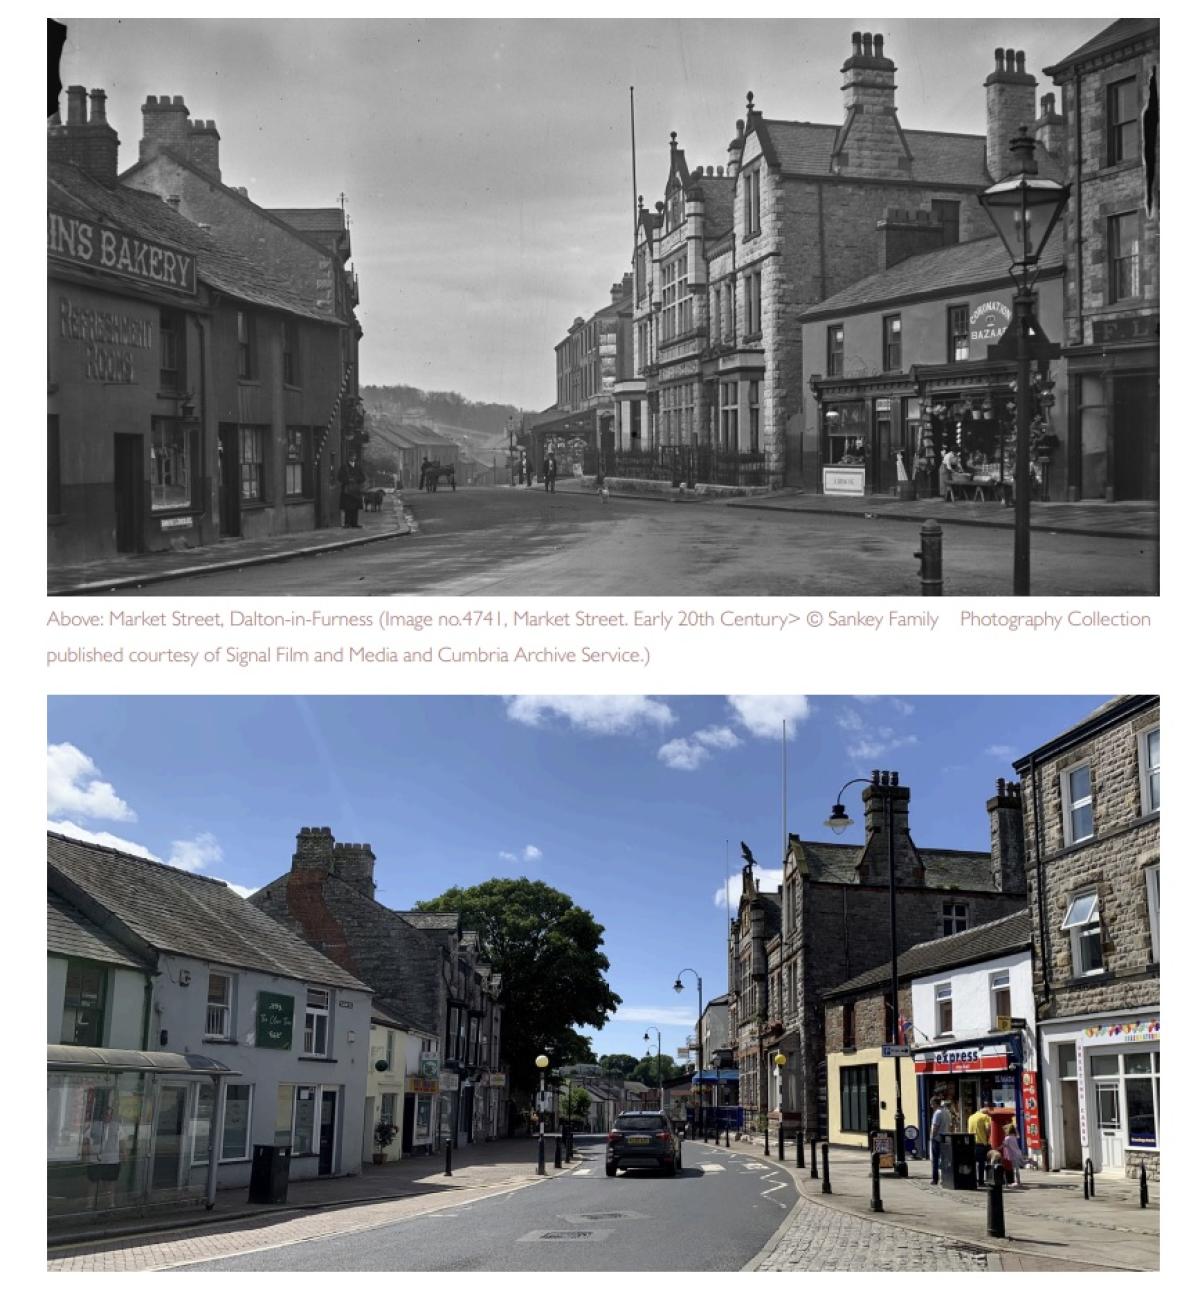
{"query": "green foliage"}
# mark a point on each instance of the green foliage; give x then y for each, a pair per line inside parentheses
(385, 1134)
(451, 409)
(647, 1070)
(575, 1105)
(618, 1064)
(547, 951)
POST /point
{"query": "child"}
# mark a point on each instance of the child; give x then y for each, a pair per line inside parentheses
(1013, 1156)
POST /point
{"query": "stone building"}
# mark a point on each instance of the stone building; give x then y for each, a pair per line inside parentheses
(1110, 90)
(1091, 811)
(829, 921)
(425, 970)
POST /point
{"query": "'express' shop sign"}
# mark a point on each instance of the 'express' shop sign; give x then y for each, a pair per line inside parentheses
(92, 243)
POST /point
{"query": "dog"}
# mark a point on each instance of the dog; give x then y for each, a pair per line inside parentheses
(373, 500)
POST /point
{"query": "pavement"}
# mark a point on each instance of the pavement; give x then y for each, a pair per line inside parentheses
(1049, 1225)
(134, 570)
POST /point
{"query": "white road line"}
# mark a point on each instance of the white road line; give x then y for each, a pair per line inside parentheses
(579, 1173)
(713, 1169)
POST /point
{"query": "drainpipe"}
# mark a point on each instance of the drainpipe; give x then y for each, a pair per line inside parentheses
(214, 1134)
(147, 1006)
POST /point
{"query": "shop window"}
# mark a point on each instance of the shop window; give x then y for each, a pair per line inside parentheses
(84, 1004)
(291, 351)
(53, 468)
(860, 1098)
(247, 351)
(171, 376)
(174, 449)
(1140, 1074)
(750, 201)
(303, 1134)
(958, 333)
(1122, 119)
(1152, 907)
(1124, 257)
(1001, 1000)
(845, 433)
(946, 215)
(218, 1019)
(752, 413)
(891, 343)
(252, 462)
(835, 350)
(1082, 923)
(1148, 768)
(943, 1003)
(316, 1022)
(954, 918)
(235, 1135)
(1078, 821)
(297, 476)
(387, 1108)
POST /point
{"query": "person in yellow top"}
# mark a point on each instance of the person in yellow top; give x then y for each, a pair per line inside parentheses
(980, 1128)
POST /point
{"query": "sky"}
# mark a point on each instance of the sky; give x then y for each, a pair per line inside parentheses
(634, 806)
(487, 164)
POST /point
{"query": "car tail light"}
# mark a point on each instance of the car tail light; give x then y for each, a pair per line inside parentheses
(614, 1136)
(665, 1136)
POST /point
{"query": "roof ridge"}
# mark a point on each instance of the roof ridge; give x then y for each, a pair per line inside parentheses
(133, 856)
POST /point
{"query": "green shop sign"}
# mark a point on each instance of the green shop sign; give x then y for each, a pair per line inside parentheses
(276, 1013)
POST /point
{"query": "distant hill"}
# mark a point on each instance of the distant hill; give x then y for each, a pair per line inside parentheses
(450, 413)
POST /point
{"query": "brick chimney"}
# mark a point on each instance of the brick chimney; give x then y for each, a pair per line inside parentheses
(1050, 129)
(204, 147)
(355, 863)
(869, 141)
(903, 232)
(1011, 104)
(873, 864)
(165, 125)
(1006, 818)
(91, 144)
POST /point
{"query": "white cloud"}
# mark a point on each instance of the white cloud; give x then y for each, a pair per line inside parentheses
(998, 750)
(903, 707)
(592, 714)
(73, 786)
(531, 853)
(763, 715)
(683, 754)
(870, 742)
(195, 854)
(730, 892)
(717, 736)
(70, 829)
(679, 1017)
(508, 856)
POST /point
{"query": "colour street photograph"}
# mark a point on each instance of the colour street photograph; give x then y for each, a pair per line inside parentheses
(621, 307)
(784, 984)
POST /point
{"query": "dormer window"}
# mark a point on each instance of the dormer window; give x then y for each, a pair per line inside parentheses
(674, 208)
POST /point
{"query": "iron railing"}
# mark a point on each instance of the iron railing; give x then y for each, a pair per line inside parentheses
(684, 464)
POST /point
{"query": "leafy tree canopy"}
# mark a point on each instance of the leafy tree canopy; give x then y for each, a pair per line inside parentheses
(547, 951)
(618, 1064)
(647, 1070)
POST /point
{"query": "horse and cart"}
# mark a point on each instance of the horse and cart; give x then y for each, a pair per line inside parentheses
(433, 473)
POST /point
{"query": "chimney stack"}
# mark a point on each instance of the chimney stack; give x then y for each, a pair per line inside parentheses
(873, 864)
(355, 863)
(904, 232)
(314, 851)
(204, 147)
(1011, 104)
(1006, 818)
(76, 106)
(88, 144)
(165, 125)
(1050, 129)
(869, 142)
(735, 148)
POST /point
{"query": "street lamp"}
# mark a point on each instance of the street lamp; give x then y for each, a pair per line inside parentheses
(1023, 208)
(543, 1063)
(699, 1034)
(662, 1105)
(839, 822)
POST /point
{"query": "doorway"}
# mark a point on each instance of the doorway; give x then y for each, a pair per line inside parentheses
(229, 480)
(328, 1138)
(1108, 1124)
(1135, 437)
(129, 492)
(883, 471)
(169, 1126)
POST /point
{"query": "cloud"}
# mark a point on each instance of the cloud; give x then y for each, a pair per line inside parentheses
(679, 1017)
(71, 830)
(531, 853)
(596, 714)
(998, 750)
(730, 892)
(239, 889)
(73, 786)
(763, 715)
(691, 753)
(195, 854)
(508, 856)
(869, 742)
(717, 736)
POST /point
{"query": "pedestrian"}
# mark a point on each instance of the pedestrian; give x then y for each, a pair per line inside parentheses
(352, 479)
(525, 475)
(939, 1126)
(103, 1145)
(425, 465)
(1014, 1157)
(550, 471)
(980, 1128)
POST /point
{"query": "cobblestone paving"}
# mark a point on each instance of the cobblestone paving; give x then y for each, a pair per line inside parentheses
(821, 1240)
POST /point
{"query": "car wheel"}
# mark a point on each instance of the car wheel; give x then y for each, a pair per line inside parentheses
(610, 1171)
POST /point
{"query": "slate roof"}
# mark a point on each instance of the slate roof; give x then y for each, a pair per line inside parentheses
(407, 435)
(718, 205)
(430, 919)
(151, 218)
(1124, 29)
(836, 863)
(1011, 933)
(70, 933)
(942, 271)
(190, 915)
(311, 219)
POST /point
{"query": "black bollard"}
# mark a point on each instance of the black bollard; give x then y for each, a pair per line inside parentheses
(1088, 1180)
(766, 1139)
(541, 1166)
(812, 1172)
(995, 1205)
(1144, 1187)
(558, 1153)
(825, 1185)
(876, 1199)
(726, 1137)
(799, 1150)
(1092, 1180)
(449, 1172)
(931, 560)
(781, 1141)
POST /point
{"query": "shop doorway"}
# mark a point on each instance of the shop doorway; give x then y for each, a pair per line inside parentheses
(882, 470)
(328, 1137)
(1072, 1149)
(1108, 1124)
(129, 492)
(410, 1116)
(229, 501)
(1135, 437)
(169, 1128)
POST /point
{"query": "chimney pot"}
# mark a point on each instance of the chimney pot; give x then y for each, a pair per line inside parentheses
(1010, 60)
(1021, 61)
(97, 116)
(177, 100)
(999, 59)
(856, 41)
(878, 46)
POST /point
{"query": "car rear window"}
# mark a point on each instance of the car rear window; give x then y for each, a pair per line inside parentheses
(640, 1123)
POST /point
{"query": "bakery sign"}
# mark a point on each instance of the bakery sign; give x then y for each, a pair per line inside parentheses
(961, 1060)
(95, 244)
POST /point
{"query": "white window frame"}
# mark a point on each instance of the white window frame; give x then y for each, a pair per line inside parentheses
(1075, 923)
(1070, 807)
(943, 1003)
(999, 981)
(317, 1017)
(200, 1155)
(233, 1159)
(1152, 907)
(1146, 772)
(225, 1033)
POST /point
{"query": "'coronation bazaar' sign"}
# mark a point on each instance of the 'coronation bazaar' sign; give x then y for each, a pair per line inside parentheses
(989, 320)
(79, 240)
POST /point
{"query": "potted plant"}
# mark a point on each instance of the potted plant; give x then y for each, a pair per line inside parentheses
(385, 1135)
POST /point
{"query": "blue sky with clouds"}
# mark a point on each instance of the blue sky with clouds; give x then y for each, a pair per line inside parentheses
(626, 803)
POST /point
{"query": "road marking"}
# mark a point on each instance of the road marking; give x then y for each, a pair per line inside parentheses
(579, 1173)
(766, 1195)
(756, 1166)
(713, 1169)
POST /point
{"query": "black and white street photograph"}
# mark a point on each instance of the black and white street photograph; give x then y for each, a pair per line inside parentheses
(603, 307)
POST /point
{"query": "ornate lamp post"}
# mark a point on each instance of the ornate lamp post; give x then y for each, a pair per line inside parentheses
(543, 1063)
(662, 1103)
(699, 1034)
(839, 822)
(1023, 208)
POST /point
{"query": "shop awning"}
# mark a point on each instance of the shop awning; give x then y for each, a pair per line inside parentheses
(716, 1076)
(118, 1060)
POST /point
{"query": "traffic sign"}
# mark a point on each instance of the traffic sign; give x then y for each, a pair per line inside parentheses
(892, 1050)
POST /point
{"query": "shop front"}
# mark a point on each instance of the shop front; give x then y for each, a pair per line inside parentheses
(420, 1114)
(870, 439)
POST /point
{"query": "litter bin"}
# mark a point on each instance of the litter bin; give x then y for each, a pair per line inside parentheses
(958, 1162)
(269, 1175)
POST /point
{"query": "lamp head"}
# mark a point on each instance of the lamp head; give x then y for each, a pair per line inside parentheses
(542, 1062)
(1024, 207)
(838, 820)
(678, 985)
(780, 1059)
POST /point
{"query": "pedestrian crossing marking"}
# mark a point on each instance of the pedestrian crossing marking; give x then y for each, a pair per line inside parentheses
(713, 1169)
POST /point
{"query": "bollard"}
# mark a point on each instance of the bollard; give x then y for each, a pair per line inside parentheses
(449, 1173)
(1144, 1187)
(1089, 1188)
(930, 558)
(558, 1153)
(825, 1185)
(812, 1172)
(995, 1206)
(726, 1137)
(541, 1166)
(876, 1199)
(1092, 1180)
(799, 1151)
(781, 1141)
(766, 1139)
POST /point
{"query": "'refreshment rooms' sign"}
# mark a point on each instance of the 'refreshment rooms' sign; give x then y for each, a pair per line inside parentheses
(80, 240)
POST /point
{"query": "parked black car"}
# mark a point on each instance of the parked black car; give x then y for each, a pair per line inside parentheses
(643, 1139)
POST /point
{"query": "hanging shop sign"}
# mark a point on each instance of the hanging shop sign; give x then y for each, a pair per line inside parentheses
(988, 322)
(416, 1084)
(95, 244)
(961, 1060)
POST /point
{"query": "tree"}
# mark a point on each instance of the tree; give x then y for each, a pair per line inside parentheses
(575, 1105)
(547, 952)
(618, 1064)
(647, 1070)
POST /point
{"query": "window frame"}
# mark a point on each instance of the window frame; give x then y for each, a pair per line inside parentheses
(1124, 269)
(1071, 806)
(171, 436)
(100, 1006)
(1118, 132)
(943, 1009)
(947, 213)
(752, 292)
(752, 202)
(729, 398)
(893, 342)
(1152, 908)
(53, 467)
(317, 1017)
(246, 334)
(955, 913)
(289, 354)
(1149, 775)
(172, 353)
(225, 1034)
(258, 436)
(302, 435)
(835, 358)
(1091, 925)
(999, 981)
(858, 1086)
(958, 342)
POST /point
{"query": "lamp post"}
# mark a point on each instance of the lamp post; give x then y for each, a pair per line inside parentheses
(1023, 208)
(839, 822)
(543, 1063)
(699, 1035)
(662, 1105)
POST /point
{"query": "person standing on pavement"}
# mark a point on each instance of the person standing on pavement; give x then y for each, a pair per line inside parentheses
(1014, 1157)
(939, 1126)
(550, 471)
(980, 1128)
(352, 478)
